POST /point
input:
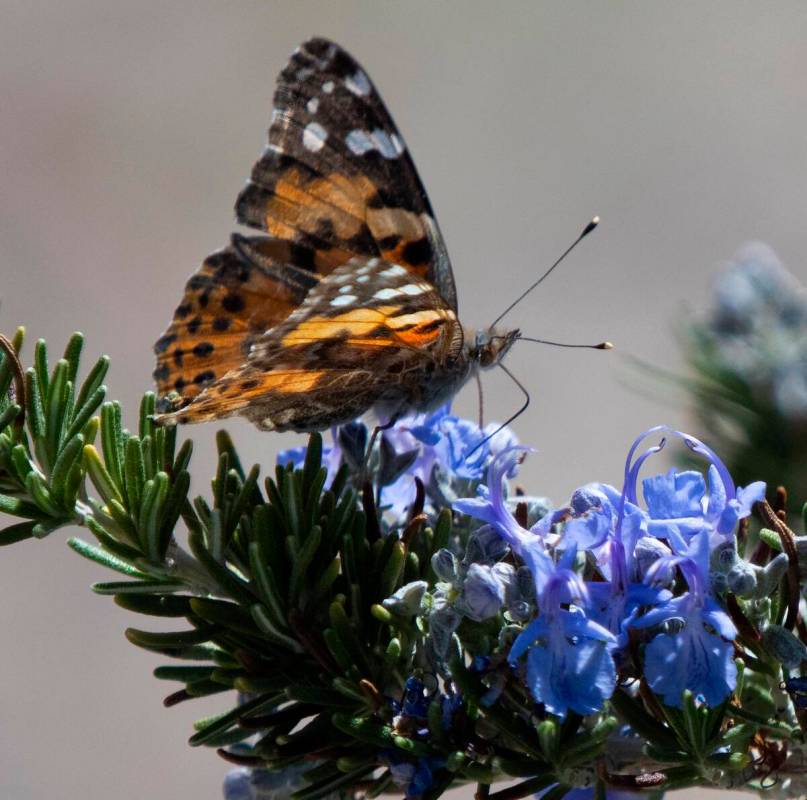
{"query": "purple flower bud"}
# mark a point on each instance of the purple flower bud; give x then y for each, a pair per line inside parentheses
(443, 621)
(482, 593)
(444, 564)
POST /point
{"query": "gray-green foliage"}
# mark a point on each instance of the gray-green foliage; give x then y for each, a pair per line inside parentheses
(278, 589)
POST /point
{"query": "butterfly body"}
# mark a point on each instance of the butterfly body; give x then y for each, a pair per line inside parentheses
(348, 303)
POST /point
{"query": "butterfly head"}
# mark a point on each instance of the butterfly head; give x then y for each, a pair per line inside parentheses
(490, 346)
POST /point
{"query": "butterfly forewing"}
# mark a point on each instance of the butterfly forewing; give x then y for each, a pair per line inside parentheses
(337, 176)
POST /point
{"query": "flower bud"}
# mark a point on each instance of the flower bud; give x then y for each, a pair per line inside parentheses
(784, 646)
(406, 600)
(482, 592)
(444, 564)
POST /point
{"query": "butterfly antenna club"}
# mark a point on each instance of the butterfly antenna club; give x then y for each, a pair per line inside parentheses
(586, 231)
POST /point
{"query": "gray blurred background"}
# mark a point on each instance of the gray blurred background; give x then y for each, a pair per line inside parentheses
(126, 131)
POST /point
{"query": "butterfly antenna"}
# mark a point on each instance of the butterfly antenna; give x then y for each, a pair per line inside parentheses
(600, 346)
(512, 418)
(586, 231)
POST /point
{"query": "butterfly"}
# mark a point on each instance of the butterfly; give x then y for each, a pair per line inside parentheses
(347, 303)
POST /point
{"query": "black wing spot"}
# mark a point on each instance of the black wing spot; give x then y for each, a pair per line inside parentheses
(389, 242)
(221, 324)
(302, 256)
(205, 377)
(161, 373)
(179, 384)
(233, 303)
(164, 342)
(203, 349)
(182, 310)
(418, 252)
(194, 324)
(178, 354)
(249, 384)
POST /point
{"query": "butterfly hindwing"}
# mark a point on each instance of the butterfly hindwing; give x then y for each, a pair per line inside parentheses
(361, 333)
(337, 176)
(236, 296)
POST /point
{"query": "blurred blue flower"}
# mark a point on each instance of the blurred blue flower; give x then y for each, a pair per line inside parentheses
(415, 777)
(331, 457)
(263, 784)
(757, 332)
(588, 794)
(446, 443)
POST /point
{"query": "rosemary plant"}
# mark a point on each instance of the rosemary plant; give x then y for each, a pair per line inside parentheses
(748, 358)
(422, 629)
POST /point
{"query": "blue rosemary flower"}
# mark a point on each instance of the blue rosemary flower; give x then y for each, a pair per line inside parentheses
(569, 661)
(693, 649)
(489, 506)
(446, 453)
(451, 455)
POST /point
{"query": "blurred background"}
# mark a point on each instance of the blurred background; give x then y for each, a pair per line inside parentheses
(126, 131)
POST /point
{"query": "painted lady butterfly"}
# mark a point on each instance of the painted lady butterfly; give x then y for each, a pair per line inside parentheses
(349, 303)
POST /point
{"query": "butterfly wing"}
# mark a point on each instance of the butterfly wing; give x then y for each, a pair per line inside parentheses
(335, 183)
(238, 294)
(369, 334)
(336, 175)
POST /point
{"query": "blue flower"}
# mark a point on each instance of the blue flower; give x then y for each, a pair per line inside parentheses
(331, 457)
(695, 650)
(569, 661)
(490, 507)
(678, 506)
(415, 777)
(265, 784)
(692, 649)
(588, 794)
(445, 442)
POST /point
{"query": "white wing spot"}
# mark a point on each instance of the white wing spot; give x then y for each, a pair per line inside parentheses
(358, 84)
(361, 141)
(328, 87)
(413, 289)
(344, 300)
(314, 137)
(394, 271)
(386, 294)
(373, 262)
(362, 279)
(313, 105)
(345, 289)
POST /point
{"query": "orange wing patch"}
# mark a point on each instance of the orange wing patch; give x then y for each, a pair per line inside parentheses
(340, 216)
(245, 387)
(234, 298)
